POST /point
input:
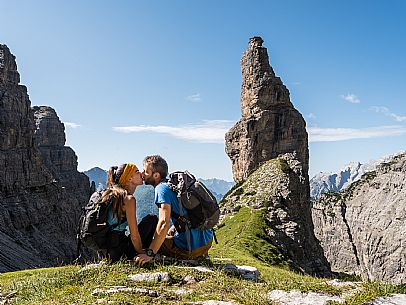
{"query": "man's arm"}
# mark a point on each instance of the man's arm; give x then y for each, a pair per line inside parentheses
(164, 223)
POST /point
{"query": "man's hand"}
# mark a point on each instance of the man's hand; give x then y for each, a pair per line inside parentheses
(142, 259)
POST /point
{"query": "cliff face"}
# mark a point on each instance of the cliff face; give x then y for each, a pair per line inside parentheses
(41, 191)
(270, 125)
(362, 230)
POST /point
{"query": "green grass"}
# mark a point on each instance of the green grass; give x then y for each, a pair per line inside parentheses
(242, 238)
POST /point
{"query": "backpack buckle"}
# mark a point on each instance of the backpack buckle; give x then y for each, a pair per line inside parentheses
(182, 224)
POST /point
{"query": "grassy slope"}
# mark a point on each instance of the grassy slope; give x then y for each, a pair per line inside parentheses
(242, 238)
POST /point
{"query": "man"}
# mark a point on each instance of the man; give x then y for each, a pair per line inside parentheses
(165, 242)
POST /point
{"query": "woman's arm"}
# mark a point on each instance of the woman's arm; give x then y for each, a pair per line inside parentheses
(131, 215)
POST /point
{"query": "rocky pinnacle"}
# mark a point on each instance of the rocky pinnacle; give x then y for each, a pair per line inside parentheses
(270, 125)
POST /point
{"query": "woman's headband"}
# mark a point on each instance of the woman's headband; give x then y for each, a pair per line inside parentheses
(127, 173)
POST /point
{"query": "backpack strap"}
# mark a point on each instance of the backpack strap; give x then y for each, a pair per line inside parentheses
(215, 237)
(187, 226)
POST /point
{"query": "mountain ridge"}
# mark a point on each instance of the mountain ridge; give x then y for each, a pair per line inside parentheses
(342, 179)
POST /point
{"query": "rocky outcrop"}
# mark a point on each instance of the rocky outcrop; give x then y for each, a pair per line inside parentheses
(41, 191)
(58, 158)
(362, 230)
(278, 188)
(270, 125)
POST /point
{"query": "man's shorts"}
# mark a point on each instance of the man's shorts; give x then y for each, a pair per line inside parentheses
(169, 248)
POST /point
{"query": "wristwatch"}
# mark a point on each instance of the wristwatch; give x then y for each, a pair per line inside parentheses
(149, 252)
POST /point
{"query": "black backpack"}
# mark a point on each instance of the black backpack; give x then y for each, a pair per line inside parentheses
(202, 209)
(93, 226)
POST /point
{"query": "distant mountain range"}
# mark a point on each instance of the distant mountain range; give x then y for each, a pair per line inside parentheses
(217, 186)
(344, 177)
(98, 175)
(321, 183)
(144, 194)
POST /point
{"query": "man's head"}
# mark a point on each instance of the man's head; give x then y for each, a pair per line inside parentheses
(155, 170)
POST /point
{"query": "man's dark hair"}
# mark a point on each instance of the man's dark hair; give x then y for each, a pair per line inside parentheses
(158, 165)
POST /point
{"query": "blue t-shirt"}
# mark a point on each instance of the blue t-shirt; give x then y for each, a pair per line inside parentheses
(198, 238)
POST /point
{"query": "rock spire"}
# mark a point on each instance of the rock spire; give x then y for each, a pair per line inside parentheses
(268, 148)
(270, 125)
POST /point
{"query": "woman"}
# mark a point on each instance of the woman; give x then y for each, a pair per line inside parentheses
(121, 184)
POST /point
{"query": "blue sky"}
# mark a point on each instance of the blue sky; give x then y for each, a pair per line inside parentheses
(132, 78)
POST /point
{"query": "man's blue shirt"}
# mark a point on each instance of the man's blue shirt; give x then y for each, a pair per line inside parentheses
(198, 238)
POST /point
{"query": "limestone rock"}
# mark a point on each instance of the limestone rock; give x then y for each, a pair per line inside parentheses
(50, 131)
(395, 299)
(150, 277)
(270, 125)
(246, 272)
(8, 67)
(58, 158)
(362, 230)
(279, 188)
(40, 201)
(295, 297)
(189, 280)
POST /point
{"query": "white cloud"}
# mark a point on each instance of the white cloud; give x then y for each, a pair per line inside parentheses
(210, 131)
(71, 125)
(341, 134)
(194, 97)
(386, 111)
(311, 115)
(352, 98)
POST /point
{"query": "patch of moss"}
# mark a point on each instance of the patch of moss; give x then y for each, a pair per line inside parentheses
(283, 165)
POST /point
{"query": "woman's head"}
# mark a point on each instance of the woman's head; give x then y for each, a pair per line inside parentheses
(122, 180)
(126, 176)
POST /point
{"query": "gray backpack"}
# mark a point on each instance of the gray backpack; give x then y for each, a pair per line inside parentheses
(202, 209)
